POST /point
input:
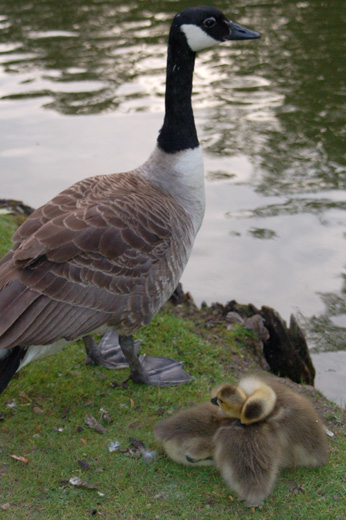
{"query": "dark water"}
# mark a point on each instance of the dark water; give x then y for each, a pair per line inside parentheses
(81, 93)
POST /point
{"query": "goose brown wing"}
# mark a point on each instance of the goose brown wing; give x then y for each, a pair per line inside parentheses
(90, 256)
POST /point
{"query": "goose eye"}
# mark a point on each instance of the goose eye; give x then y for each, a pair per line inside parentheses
(209, 22)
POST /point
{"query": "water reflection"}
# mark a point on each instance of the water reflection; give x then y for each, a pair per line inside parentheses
(315, 205)
(271, 118)
(326, 332)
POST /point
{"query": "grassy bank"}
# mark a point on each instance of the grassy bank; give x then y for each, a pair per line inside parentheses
(42, 421)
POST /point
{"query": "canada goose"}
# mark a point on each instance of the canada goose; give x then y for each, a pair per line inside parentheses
(276, 428)
(187, 437)
(108, 252)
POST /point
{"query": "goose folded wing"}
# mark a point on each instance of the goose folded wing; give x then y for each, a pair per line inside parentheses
(67, 277)
(96, 248)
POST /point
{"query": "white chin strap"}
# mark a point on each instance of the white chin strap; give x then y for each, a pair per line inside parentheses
(197, 39)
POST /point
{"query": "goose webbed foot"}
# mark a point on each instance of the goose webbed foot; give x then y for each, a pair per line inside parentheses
(115, 351)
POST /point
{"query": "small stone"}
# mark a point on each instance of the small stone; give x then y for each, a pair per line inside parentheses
(233, 317)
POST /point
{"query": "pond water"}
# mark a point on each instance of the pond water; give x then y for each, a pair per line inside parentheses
(81, 93)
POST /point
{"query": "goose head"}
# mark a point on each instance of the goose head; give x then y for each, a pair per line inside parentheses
(207, 26)
(237, 404)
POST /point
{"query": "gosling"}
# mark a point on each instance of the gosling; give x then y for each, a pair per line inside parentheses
(187, 437)
(275, 428)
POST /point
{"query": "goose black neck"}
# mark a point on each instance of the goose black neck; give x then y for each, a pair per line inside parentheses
(178, 131)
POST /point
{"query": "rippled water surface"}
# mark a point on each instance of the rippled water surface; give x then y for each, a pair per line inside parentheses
(81, 93)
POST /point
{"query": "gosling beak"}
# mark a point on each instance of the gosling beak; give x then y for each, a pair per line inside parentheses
(237, 32)
(214, 401)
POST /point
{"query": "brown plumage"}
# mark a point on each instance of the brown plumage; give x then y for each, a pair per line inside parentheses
(95, 243)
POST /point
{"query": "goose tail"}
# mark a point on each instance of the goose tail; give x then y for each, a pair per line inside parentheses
(9, 363)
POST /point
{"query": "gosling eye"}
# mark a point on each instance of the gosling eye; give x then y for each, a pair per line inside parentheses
(221, 401)
(209, 22)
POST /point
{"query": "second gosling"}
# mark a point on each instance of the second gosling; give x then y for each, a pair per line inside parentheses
(187, 437)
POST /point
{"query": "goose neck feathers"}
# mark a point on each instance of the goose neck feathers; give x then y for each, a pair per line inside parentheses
(180, 175)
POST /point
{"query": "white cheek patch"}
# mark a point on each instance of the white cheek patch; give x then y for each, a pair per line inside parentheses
(197, 39)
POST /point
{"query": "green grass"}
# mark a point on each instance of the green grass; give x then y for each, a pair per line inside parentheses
(65, 391)
(8, 225)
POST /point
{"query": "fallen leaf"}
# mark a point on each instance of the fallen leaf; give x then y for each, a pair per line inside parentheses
(105, 415)
(84, 441)
(137, 443)
(21, 459)
(66, 411)
(38, 410)
(140, 449)
(133, 452)
(132, 403)
(92, 423)
(5, 507)
(159, 496)
(61, 429)
(113, 446)
(78, 482)
(83, 464)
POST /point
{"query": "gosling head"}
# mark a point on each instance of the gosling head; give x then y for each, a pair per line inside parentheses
(230, 398)
(237, 404)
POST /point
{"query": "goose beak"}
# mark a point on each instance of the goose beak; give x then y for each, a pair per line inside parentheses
(214, 401)
(237, 32)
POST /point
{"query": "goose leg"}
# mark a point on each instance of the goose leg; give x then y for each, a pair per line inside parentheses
(137, 371)
(115, 351)
(107, 352)
(152, 370)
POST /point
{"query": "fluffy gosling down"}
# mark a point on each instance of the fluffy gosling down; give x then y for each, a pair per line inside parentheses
(269, 427)
(258, 427)
(187, 437)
